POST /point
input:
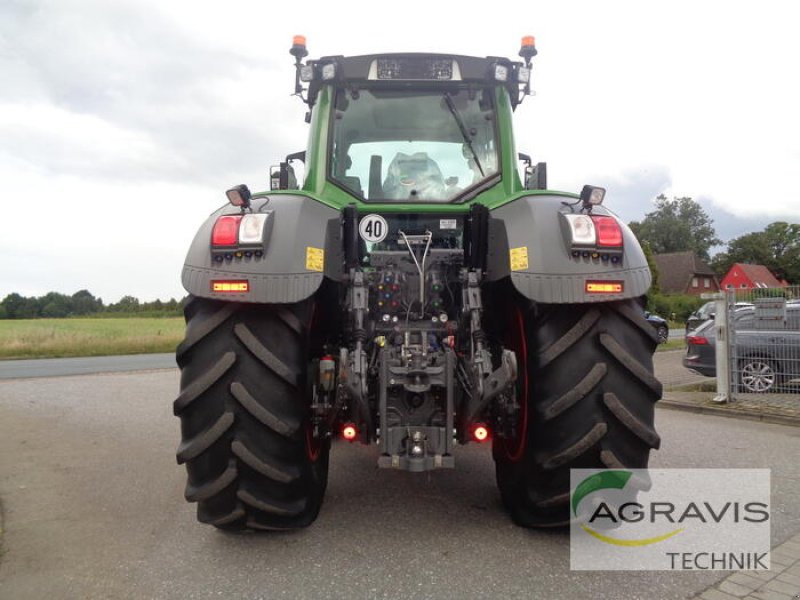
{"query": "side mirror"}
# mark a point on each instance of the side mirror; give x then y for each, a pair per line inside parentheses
(536, 177)
(277, 177)
(281, 177)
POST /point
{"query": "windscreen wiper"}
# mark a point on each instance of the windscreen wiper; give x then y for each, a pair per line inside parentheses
(463, 129)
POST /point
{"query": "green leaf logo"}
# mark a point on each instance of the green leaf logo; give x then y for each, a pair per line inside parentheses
(599, 481)
(615, 480)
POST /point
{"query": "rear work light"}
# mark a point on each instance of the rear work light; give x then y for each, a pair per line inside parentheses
(226, 231)
(235, 287)
(604, 287)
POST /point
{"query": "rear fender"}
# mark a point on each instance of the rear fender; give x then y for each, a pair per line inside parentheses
(302, 246)
(531, 226)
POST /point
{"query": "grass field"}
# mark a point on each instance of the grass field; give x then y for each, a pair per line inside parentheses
(50, 338)
(672, 345)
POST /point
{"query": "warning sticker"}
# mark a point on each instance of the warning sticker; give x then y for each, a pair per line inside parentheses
(519, 258)
(315, 259)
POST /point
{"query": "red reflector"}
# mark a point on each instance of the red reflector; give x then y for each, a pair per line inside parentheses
(480, 432)
(349, 432)
(697, 340)
(608, 231)
(604, 287)
(237, 287)
(226, 231)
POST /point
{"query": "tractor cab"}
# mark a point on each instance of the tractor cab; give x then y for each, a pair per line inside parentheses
(409, 128)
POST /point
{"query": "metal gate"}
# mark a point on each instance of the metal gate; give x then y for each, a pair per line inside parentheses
(762, 339)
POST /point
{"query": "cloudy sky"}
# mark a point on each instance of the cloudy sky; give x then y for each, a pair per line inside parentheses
(123, 121)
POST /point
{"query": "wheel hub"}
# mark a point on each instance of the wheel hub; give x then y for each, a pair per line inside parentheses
(758, 376)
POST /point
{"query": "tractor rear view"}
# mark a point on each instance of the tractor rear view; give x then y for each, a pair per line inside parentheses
(412, 292)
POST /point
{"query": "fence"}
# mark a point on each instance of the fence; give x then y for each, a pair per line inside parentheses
(675, 377)
(763, 344)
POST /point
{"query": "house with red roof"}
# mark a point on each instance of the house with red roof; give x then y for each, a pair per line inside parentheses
(744, 276)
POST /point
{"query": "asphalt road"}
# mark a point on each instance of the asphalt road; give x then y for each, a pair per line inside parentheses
(93, 508)
(59, 367)
(670, 371)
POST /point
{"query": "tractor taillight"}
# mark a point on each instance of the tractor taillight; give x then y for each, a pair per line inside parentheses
(480, 432)
(226, 231)
(609, 233)
(595, 236)
(349, 432)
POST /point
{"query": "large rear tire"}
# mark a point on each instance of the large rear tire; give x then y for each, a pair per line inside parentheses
(250, 458)
(588, 394)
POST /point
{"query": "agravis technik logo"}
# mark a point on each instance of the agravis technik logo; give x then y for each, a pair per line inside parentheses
(670, 519)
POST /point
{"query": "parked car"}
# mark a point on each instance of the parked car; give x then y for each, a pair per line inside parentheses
(700, 316)
(660, 325)
(706, 313)
(767, 359)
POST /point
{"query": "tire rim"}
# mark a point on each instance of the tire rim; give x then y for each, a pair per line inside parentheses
(514, 449)
(758, 376)
(313, 445)
(663, 334)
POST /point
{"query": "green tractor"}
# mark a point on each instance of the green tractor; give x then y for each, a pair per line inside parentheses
(419, 289)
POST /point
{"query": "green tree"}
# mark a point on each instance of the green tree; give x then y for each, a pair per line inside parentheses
(13, 304)
(55, 305)
(675, 226)
(651, 263)
(126, 304)
(155, 305)
(777, 248)
(31, 308)
(84, 303)
(21, 307)
(655, 288)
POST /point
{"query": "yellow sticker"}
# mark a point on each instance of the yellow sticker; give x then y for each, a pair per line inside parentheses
(315, 259)
(519, 258)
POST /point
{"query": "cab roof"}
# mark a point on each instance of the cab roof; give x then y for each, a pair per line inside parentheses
(415, 70)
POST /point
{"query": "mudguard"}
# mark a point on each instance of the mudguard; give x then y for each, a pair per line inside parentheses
(527, 244)
(302, 246)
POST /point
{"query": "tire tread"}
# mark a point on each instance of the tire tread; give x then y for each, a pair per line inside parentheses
(243, 407)
(591, 396)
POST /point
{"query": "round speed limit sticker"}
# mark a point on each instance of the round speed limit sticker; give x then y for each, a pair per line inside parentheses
(373, 228)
